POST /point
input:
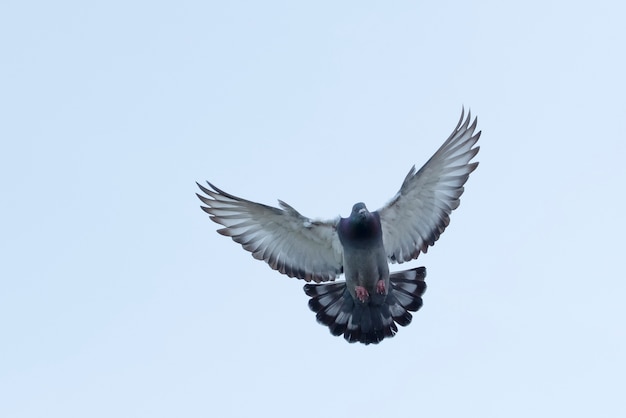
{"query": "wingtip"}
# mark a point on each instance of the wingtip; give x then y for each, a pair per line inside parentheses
(461, 119)
(469, 112)
(204, 189)
(212, 186)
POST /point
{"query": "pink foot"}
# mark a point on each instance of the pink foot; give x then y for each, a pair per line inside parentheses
(380, 287)
(361, 293)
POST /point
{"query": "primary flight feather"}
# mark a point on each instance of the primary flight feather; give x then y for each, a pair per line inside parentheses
(367, 305)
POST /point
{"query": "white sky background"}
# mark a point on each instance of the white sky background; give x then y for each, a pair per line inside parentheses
(118, 299)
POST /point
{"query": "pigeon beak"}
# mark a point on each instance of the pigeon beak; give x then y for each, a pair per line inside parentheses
(362, 211)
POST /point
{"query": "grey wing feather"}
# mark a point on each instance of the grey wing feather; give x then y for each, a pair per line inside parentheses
(415, 218)
(289, 242)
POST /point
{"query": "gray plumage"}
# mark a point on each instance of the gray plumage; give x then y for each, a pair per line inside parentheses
(366, 307)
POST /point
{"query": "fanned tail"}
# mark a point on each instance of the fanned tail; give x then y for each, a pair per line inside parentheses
(368, 323)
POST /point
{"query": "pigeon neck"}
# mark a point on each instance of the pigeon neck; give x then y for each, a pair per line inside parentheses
(355, 231)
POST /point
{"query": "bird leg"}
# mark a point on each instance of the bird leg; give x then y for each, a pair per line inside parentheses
(380, 287)
(361, 293)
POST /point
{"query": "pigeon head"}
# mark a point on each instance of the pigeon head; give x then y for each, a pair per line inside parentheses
(359, 212)
(362, 226)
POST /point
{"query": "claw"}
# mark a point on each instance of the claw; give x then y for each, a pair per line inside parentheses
(361, 293)
(380, 287)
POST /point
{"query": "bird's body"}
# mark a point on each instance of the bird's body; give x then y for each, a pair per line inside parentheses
(366, 307)
(364, 260)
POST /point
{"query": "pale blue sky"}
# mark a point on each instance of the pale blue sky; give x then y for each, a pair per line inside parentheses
(118, 299)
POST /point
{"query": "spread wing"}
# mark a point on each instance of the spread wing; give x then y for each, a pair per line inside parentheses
(417, 215)
(289, 242)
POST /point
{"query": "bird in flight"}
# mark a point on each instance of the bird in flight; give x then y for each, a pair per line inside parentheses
(368, 304)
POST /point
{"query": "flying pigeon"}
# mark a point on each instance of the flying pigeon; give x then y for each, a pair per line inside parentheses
(370, 302)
